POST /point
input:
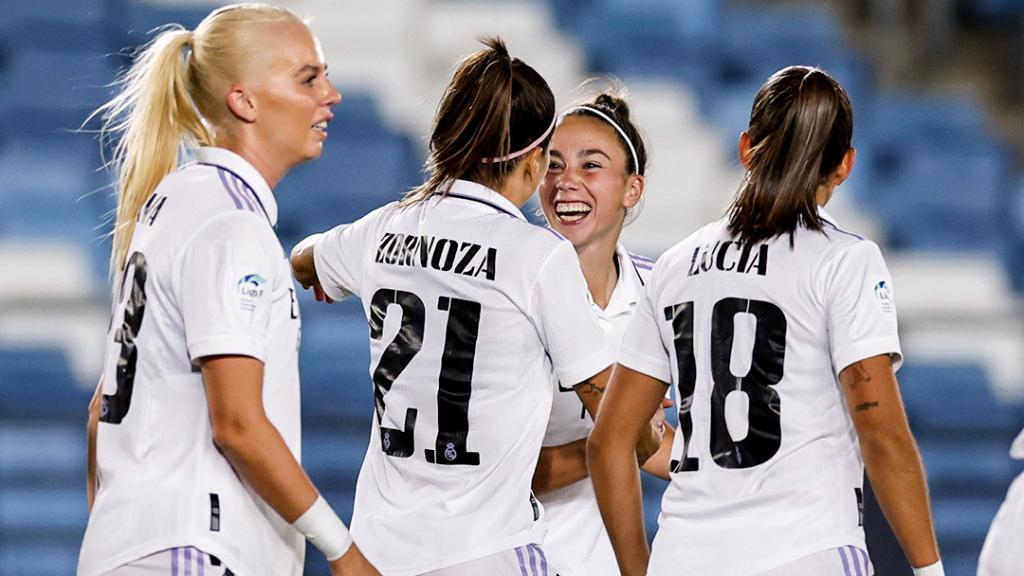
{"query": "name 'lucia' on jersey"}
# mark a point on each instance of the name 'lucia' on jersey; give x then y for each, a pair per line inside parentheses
(719, 256)
(441, 254)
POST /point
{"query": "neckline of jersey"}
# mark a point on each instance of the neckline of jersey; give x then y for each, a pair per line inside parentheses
(473, 192)
(240, 168)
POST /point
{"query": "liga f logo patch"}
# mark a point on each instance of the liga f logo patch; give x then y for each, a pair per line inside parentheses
(884, 295)
(250, 289)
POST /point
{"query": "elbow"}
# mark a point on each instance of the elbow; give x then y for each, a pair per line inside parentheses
(229, 435)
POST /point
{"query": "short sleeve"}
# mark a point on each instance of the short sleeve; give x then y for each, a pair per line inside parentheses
(339, 255)
(227, 277)
(567, 325)
(642, 347)
(860, 307)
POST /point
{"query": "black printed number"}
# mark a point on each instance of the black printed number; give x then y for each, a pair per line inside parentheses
(115, 406)
(454, 381)
(764, 435)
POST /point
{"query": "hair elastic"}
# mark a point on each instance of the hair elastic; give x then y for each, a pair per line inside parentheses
(529, 146)
(608, 119)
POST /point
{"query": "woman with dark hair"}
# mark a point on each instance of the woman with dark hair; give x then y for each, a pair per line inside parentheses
(470, 309)
(778, 330)
(594, 187)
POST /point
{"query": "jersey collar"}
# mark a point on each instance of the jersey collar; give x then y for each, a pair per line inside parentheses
(627, 290)
(232, 162)
(473, 192)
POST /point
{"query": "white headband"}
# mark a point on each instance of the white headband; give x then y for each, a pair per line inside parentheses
(608, 119)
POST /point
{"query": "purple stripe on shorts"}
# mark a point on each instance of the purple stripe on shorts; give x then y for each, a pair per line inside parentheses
(543, 559)
(533, 561)
(846, 565)
(228, 189)
(522, 564)
(856, 560)
(188, 561)
(867, 562)
(174, 562)
(201, 563)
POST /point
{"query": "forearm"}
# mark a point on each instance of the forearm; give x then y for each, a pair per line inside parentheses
(617, 485)
(93, 424)
(303, 264)
(658, 464)
(894, 468)
(560, 466)
(260, 456)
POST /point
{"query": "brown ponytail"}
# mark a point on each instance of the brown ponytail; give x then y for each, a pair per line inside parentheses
(800, 128)
(494, 105)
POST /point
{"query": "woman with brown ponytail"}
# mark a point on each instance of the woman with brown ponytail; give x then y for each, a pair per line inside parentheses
(194, 428)
(778, 330)
(470, 309)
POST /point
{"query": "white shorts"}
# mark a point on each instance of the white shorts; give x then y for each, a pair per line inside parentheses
(842, 561)
(1003, 552)
(526, 560)
(183, 561)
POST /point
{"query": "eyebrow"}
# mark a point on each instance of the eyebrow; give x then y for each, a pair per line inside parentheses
(592, 151)
(311, 68)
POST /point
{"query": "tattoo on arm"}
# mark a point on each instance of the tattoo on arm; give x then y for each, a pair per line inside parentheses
(858, 375)
(866, 406)
(588, 387)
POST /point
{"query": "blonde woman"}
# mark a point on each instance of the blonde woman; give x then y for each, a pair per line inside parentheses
(194, 428)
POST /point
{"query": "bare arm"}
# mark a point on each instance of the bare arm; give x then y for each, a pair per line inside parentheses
(94, 422)
(255, 448)
(658, 464)
(625, 416)
(560, 466)
(592, 390)
(304, 267)
(890, 455)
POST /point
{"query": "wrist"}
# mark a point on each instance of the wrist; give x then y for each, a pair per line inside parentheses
(322, 527)
(930, 570)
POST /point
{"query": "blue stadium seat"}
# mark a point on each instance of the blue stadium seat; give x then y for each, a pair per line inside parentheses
(57, 90)
(950, 400)
(961, 522)
(42, 454)
(134, 21)
(47, 23)
(36, 382)
(39, 558)
(967, 465)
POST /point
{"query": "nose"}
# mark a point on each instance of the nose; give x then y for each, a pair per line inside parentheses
(333, 96)
(566, 180)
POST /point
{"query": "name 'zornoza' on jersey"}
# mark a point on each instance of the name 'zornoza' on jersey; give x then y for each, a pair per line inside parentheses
(470, 309)
(766, 465)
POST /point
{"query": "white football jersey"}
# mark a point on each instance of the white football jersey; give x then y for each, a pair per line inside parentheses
(577, 543)
(470, 309)
(205, 275)
(766, 461)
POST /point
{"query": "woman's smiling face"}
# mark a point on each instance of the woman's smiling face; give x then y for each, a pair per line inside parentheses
(588, 187)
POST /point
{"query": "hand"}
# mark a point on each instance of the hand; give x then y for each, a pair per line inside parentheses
(319, 294)
(353, 563)
(650, 439)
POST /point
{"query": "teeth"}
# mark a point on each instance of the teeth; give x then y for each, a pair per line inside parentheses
(570, 217)
(322, 125)
(572, 207)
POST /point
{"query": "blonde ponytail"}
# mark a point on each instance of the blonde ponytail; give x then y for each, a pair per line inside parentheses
(153, 119)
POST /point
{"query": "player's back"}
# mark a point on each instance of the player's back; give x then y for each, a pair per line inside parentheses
(766, 467)
(454, 290)
(163, 483)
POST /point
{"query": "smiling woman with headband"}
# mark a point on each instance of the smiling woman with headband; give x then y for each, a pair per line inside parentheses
(594, 187)
(470, 309)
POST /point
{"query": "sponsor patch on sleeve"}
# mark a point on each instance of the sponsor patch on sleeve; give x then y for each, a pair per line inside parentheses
(884, 295)
(250, 289)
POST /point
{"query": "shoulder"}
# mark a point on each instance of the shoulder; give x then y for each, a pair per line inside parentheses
(642, 264)
(202, 192)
